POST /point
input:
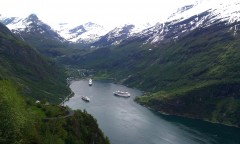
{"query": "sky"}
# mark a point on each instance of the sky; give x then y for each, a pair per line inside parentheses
(103, 12)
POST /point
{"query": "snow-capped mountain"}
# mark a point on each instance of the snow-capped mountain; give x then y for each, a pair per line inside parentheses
(140, 27)
(191, 17)
(120, 33)
(91, 33)
(85, 33)
(31, 27)
(200, 14)
(115, 36)
(88, 33)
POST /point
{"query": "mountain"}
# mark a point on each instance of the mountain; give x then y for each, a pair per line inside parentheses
(26, 76)
(191, 17)
(188, 65)
(35, 32)
(115, 36)
(21, 62)
(31, 29)
(86, 33)
(119, 34)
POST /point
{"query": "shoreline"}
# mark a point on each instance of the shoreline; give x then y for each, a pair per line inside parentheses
(188, 117)
(69, 81)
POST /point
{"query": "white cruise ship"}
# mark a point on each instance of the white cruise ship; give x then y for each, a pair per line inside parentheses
(90, 82)
(122, 93)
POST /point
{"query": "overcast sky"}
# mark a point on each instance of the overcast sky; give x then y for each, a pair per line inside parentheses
(105, 12)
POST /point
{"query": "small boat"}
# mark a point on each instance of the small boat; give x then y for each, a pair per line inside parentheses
(85, 98)
(90, 82)
(122, 93)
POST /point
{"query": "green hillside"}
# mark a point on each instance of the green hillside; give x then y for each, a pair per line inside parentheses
(196, 76)
(26, 76)
(26, 122)
(39, 78)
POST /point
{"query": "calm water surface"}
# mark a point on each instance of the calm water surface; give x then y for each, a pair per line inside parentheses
(126, 122)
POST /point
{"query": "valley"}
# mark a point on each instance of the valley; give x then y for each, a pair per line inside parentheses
(187, 65)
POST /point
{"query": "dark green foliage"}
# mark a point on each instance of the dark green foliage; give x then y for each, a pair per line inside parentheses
(26, 122)
(40, 78)
(218, 102)
(16, 123)
(81, 128)
(85, 131)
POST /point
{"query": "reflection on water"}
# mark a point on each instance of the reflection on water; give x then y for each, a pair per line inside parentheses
(126, 122)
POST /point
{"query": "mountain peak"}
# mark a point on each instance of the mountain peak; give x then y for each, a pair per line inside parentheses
(185, 8)
(32, 17)
(89, 24)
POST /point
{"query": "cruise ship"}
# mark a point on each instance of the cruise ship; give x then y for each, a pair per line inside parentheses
(90, 82)
(121, 93)
(85, 98)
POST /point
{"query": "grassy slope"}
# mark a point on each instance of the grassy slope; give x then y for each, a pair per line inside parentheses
(202, 68)
(23, 122)
(15, 121)
(40, 78)
(26, 76)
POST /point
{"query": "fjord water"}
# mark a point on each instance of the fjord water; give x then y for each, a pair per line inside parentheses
(126, 122)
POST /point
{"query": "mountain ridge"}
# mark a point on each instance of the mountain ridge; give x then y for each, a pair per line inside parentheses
(200, 12)
(87, 33)
(191, 17)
